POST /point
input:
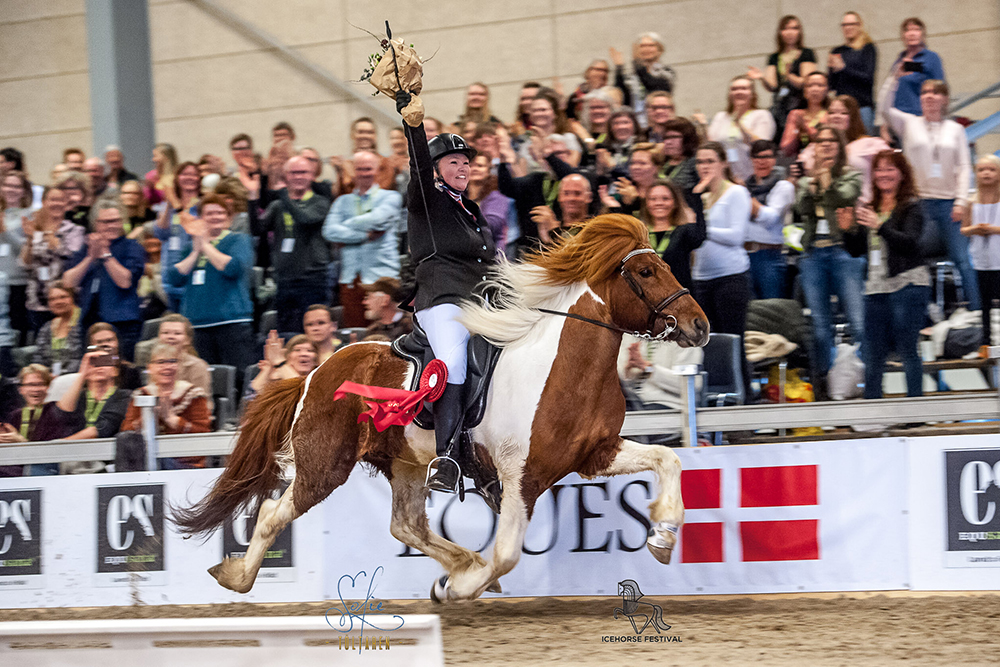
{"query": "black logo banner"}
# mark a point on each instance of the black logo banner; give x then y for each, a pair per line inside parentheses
(20, 532)
(972, 477)
(130, 528)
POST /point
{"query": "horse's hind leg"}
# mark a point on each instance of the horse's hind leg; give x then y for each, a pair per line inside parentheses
(409, 521)
(667, 510)
(238, 574)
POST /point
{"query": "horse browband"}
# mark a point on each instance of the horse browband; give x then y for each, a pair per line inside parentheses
(654, 311)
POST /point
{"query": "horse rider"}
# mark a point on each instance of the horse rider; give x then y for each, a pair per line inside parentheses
(452, 248)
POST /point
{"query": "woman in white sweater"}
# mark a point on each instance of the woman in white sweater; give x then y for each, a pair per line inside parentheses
(741, 124)
(721, 270)
(938, 151)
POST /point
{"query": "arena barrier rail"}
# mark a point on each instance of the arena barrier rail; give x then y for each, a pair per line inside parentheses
(302, 641)
(959, 407)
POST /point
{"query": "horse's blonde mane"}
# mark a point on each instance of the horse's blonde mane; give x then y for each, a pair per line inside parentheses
(552, 278)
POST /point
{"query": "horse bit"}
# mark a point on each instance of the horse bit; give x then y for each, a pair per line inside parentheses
(655, 311)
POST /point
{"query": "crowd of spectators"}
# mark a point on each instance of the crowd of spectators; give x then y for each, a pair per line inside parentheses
(90, 256)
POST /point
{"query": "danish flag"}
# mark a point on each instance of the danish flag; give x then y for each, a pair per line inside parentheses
(772, 486)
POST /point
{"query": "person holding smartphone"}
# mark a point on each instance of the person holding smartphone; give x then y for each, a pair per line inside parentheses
(914, 65)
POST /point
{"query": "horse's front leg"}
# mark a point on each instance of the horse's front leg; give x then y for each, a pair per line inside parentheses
(409, 521)
(667, 510)
(511, 527)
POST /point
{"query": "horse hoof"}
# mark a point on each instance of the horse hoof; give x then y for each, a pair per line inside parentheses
(439, 590)
(661, 541)
(494, 587)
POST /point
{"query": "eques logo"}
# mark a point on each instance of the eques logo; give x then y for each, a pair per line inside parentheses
(20, 532)
(972, 478)
(775, 539)
(236, 536)
(130, 528)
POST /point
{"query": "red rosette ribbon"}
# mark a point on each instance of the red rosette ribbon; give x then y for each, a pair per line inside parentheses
(397, 407)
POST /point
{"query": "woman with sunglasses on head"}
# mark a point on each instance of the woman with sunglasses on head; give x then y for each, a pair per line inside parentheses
(897, 287)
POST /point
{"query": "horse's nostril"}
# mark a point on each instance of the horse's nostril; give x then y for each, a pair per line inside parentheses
(701, 326)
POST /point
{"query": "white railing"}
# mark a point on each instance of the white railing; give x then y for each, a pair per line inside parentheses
(302, 641)
(962, 407)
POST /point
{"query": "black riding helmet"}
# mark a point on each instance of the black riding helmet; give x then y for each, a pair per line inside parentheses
(446, 144)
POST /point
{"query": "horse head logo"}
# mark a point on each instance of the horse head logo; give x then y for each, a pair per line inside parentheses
(638, 612)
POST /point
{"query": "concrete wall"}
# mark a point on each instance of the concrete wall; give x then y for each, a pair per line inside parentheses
(211, 82)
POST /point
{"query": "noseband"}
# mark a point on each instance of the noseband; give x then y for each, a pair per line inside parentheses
(655, 311)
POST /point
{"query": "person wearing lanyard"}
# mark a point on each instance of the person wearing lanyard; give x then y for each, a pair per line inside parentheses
(575, 195)
(938, 150)
(33, 381)
(59, 344)
(680, 142)
(982, 226)
(299, 253)
(825, 266)
(668, 212)
(364, 222)
(897, 288)
(741, 124)
(215, 277)
(168, 227)
(452, 248)
(107, 273)
(92, 407)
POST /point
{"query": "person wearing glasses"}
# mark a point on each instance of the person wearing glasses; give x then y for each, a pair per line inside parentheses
(680, 142)
(772, 197)
(660, 110)
(181, 407)
(106, 274)
(594, 78)
(21, 423)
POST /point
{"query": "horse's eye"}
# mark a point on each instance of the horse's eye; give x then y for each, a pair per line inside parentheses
(646, 272)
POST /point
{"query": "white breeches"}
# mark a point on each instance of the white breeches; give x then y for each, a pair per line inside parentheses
(448, 338)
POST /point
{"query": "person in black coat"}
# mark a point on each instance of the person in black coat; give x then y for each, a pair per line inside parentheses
(452, 247)
(897, 288)
(671, 232)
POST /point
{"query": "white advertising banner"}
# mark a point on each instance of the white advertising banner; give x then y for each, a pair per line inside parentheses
(955, 513)
(85, 540)
(767, 518)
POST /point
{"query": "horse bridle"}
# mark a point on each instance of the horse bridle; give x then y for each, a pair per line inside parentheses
(655, 311)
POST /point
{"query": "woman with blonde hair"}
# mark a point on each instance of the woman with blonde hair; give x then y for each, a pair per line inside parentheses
(852, 67)
(50, 241)
(645, 75)
(136, 208)
(160, 179)
(477, 106)
(741, 124)
(981, 225)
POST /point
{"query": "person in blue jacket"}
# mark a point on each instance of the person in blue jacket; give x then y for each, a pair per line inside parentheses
(106, 273)
(215, 276)
(918, 65)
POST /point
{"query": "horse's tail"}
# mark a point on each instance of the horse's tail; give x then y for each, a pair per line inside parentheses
(252, 471)
(658, 619)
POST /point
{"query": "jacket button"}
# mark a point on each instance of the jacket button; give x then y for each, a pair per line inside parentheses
(484, 247)
(479, 260)
(477, 229)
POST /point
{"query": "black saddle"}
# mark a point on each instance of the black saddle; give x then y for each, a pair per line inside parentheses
(482, 359)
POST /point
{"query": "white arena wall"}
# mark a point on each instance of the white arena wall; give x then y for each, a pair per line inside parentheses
(210, 82)
(861, 515)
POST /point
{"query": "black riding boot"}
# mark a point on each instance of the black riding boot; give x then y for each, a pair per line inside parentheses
(447, 424)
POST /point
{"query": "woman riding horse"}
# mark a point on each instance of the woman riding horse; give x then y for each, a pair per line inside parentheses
(452, 246)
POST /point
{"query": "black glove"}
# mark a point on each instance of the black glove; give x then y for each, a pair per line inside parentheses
(402, 100)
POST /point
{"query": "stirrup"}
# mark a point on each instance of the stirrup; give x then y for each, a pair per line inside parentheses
(433, 481)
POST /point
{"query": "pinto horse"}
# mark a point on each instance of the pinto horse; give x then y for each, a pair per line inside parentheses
(555, 407)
